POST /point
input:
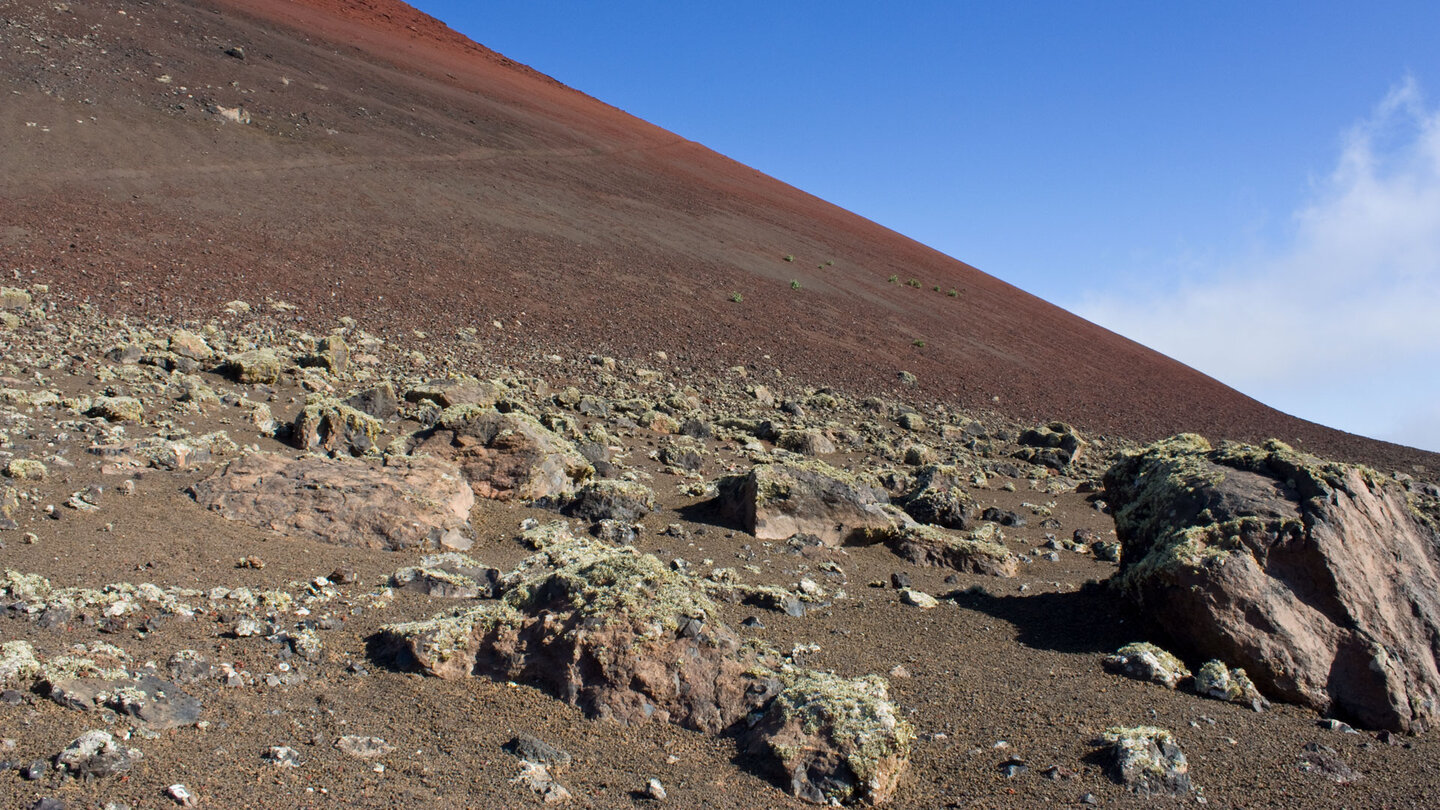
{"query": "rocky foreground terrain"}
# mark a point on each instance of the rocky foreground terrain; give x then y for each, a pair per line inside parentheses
(259, 560)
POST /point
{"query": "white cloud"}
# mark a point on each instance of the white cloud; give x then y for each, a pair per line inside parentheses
(1341, 323)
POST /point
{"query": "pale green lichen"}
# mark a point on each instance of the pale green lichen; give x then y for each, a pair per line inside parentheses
(1146, 661)
(437, 640)
(617, 585)
(325, 420)
(856, 716)
(1161, 492)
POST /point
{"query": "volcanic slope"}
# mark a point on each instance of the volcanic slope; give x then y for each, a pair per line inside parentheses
(348, 157)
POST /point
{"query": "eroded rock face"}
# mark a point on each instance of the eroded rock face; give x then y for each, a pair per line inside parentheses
(777, 501)
(507, 456)
(405, 502)
(1316, 577)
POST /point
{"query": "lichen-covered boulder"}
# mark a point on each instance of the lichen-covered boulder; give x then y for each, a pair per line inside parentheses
(26, 469)
(1056, 445)
(1215, 680)
(629, 639)
(117, 409)
(609, 499)
(18, 665)
(978, 552)
(1147, 760)
(402, 503)
(938, 497)
(255, 367)
(327, 424)
(14, 299)
(809, 442)
(1318, 578)
(836, 740)
(613, 631)
(1144, 661)
(507, 456)
(777, 501)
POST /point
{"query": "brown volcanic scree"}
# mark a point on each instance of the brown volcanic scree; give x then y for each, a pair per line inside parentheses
(390, 166)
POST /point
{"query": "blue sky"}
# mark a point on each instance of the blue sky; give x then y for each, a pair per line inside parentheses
(1252, 188)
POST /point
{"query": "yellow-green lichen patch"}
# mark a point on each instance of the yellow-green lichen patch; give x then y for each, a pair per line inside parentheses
(847, 722)
(616, 585)
(437, 641)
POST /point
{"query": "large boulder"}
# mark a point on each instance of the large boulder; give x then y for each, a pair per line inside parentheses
(1320, 579)
(507, 456)
(613, 631)
(406, 502)
(777, 501)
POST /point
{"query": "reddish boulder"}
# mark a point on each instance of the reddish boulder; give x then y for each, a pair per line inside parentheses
(1320, 579)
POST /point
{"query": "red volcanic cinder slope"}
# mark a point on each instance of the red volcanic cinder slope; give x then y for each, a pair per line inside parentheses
(393, 170)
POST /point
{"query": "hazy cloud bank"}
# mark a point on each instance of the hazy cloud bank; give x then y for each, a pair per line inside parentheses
(1340, 323)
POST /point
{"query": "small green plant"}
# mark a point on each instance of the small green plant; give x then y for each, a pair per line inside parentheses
(736, 297)
(794, 285)
(790, 257)
(919, 344)
(913, 283)
(936, 288)
(894, 279)
(954, 293)
(829, 262)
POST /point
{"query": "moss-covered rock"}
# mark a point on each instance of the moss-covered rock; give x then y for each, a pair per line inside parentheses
(26, 469)
(611, 499)
(255, 367)
(117, 409)
(1215, 680)
(938, 497)
(509, 456)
